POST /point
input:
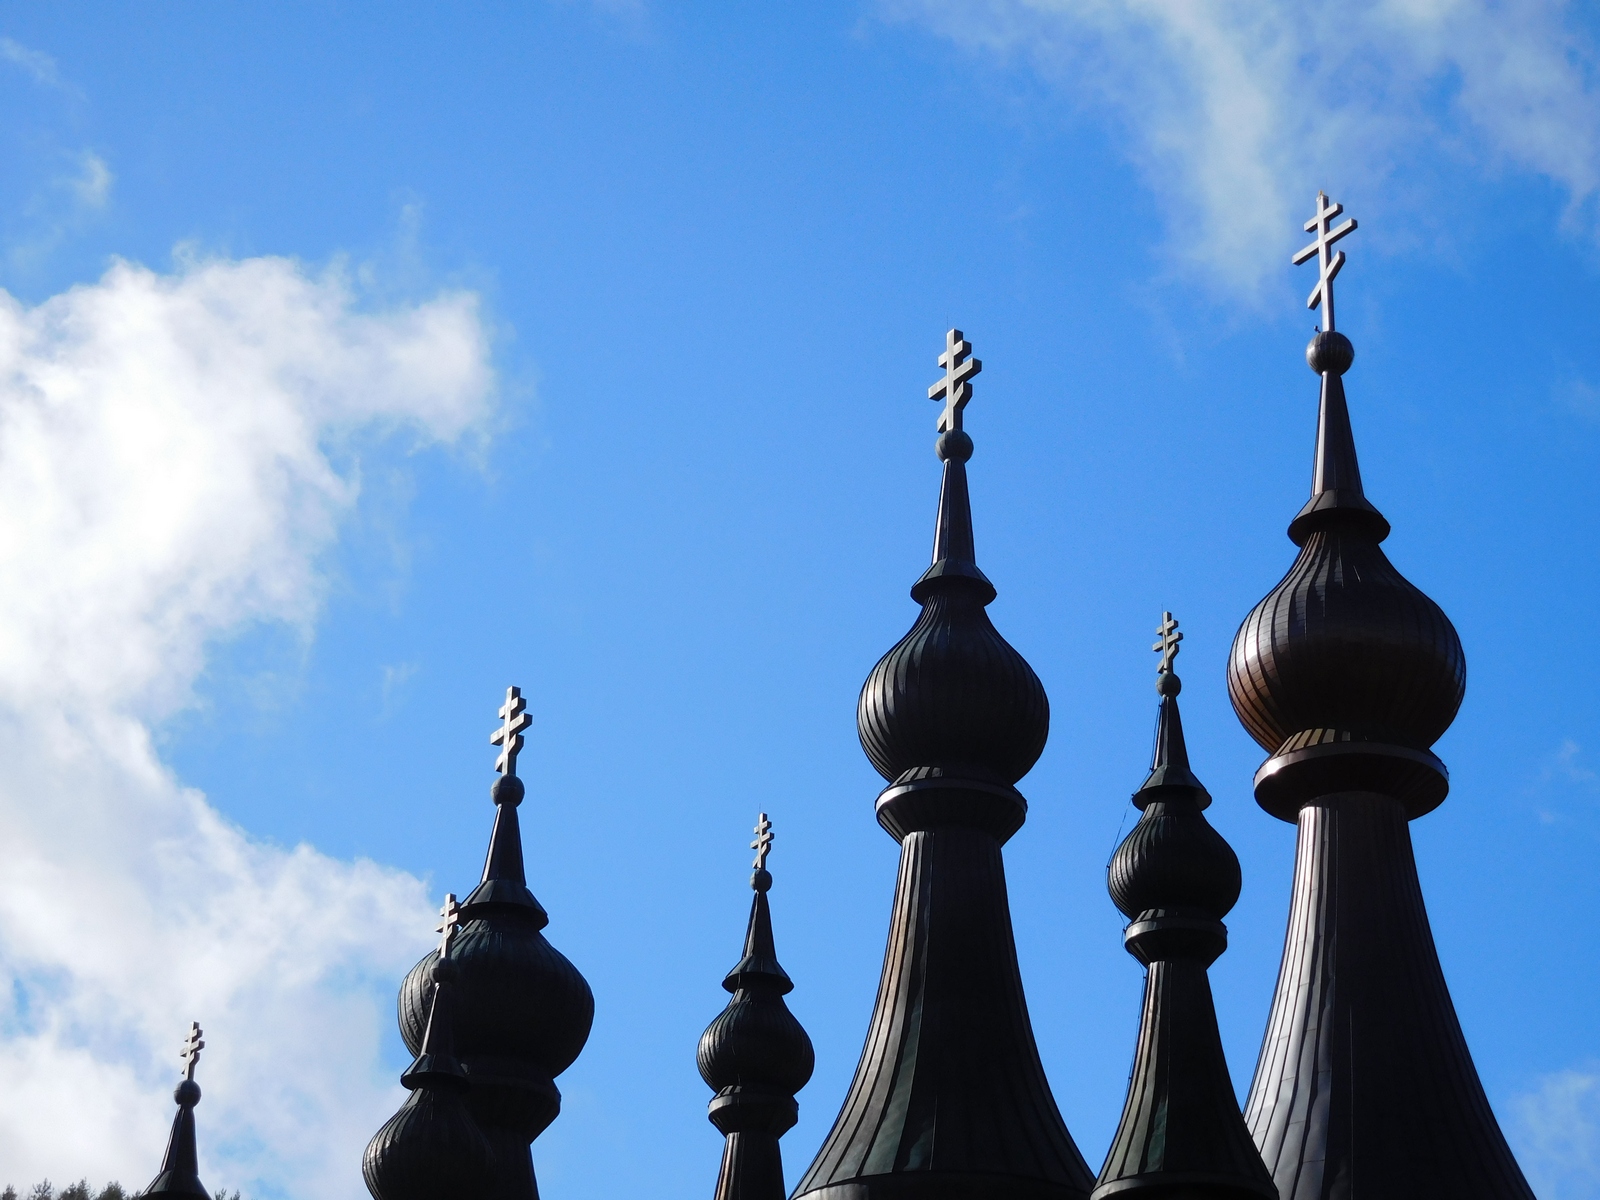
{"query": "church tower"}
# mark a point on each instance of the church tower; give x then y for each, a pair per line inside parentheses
(949, 1099)
(1346, 674)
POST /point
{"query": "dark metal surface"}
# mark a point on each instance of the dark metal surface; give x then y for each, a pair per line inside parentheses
(755, 1055)
(1347, 674)
(432, 1147)
(180, 1166)
(949, 1098)
(523, 1010)
(1175, 878)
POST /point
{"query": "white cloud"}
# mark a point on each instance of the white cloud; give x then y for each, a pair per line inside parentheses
(168, 449)
(91, 186)
(36, 64)
(1239, 110)
(1556, 1129)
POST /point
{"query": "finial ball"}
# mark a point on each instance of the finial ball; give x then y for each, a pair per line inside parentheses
(443, 971)
(507, 789)
(761, 879)
(1168, 684)
(1330, 353)
(953, 444)
(187, 1093)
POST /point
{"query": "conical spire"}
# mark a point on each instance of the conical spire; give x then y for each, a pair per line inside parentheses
(180, 1166)
(1175, 878)
(523, 1010)
(1347, 674)
(949, 1098)
(755, 1055)
(432, 1149)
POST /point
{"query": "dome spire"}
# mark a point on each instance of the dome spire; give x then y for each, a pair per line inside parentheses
(1347, 674)
(432, 1147)
(522, 1010)
(1175, 878)
(180, 1166)
(755, 1054)
(949, 1098)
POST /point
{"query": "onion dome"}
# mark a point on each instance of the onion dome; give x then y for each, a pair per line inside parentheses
(1345, 672)
(755, 1055)
(949, 1098)
(432, 1149)
(180, 1166)
(523, 1010)
(1175, 878)
(952, 700)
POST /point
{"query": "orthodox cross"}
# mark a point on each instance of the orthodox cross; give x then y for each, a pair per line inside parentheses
(449, 919)
(763, 842)
(509, 736)
(1327, 267)
(955, 389)
(192, 1045)
(1167, 646)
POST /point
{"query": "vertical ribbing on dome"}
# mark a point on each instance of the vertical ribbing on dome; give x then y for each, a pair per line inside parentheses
(1346, 674)
(949, 1098)
(1175, 878)
(755, 1056)
(523, 1010)
(432, 1147)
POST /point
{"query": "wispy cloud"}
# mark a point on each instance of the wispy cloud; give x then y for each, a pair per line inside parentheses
(36, 64)
(1556, 1130)
(1238, 110)
(1563, 776)
(164, 446)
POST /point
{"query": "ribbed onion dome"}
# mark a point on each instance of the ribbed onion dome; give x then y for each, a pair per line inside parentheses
(432, 1149)
(1344, 649)
(756, 1041)
(952, 697)
(1173, 860)
(519, 998)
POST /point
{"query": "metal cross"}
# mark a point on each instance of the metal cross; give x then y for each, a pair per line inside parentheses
(1168, 644)
(449, 920)
(1327, 267)
(509, 736)
(192, 1045)
(763, 842)
(955, 389)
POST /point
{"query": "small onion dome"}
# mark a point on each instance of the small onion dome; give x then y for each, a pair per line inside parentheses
(953, 698)
(521, 1002)
(1173, 864)
(755, 1042)
(1345, 649)
(432, 1149)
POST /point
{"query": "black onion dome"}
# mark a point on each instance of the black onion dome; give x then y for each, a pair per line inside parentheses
(1344, 649)
(756, 1041)
(518, 996)
(1173, 859)
(429, 1150)
(952, 696)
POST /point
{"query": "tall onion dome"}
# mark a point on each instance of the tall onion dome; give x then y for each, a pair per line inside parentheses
(180, 1166)
(1175, 878)
(949, 1098)
(432, 1149)
(1346, 674)
(522, 1012)
(755, 1055)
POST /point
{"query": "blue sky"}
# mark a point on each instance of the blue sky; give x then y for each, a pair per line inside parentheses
(361, 360)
